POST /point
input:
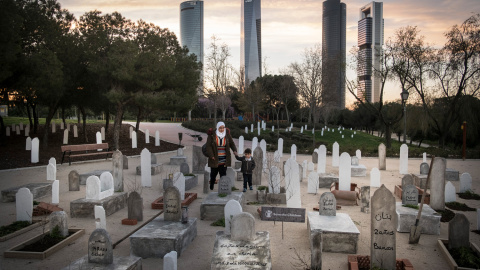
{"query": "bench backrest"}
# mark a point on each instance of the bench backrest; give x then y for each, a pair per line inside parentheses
(84, 147)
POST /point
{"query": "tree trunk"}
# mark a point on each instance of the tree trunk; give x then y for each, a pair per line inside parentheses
(107, 120)
(84, 128)
(139, 117)
(388, 136)
(29, 114)
(35, 119)
(288, 115)
(78, 115)
(118, 125)
(51, 113)
(63, 117)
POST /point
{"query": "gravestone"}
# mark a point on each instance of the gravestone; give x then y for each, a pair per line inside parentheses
(117, 171)
(100, 217)
(354, 160)
(458, 231)
(21, 126)
(383, 225)
(100, 248)
(301, 130)
(310, 166)
(276, 156)
(135, 206)
(322, 159)
(62, 125)
(179, 183)
(257, 172)
(293, 152)
(231, 173)
(198, 160)
(243, 227)
(312, 183)
(68, 127)
(17, 129)
(146, 167)
(172, 204)
(184, 168)
(34, 154)
(75, 131)
(246, 130)
(251, 128)
(274, 180)
(93, 188)
(147, 136)
(335, 154)
(258, 128)
(409, 195)
(327, 204)
(382, 157)
(241, 144)
(403, 168)
(180, 152)
(465, 182)
(437, 185)
(130, 130)
(263, 146)
(157, 138)
(365, 199)
(292, 184)
(56, 192)
(344, 172)
(450, 192)
(424, 167)
(424, 157)
(225, 185)
(407, 180)
(358, 154)
(232, 208)
(134, 139)
(375, 177)
(51, 172)
(170, 261)
(315, 156)
(24, 204)
(98, 136)
(254, 143)
(102, 133)
(59, 218)
(280, 147)
(451, 174)
(73, 181)
(106, 184)
(302, 170)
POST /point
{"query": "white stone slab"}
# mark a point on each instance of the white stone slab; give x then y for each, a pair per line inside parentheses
(450, 192)
(344, 172)
(24, 204)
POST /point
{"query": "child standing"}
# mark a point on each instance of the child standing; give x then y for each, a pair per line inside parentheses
(248, 164)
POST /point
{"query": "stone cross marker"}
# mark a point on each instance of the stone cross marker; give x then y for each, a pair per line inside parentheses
(170, 261)
(335, 154)
(365, 199)
(24, 204)
(73, 181)
(403, 159)
(327, 204)
(437, 185)
(117, 171)
(135, 206)
(225, 185)
(232, 208)
(100, 249)
(322, 159)
(257, 172)
(345, 172)
(409, 195)
(172, 204)
(383, 229)
(313, 179)
(424, 167)
(450, 192)
(59, 218)
(407, 179)
(243, 227)
(35, 148)
(465, 182)
(458, 232)
(375, 177)
(146, 167)
(382, 157)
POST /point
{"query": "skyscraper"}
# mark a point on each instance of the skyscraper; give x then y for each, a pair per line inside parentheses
(370, 41)
(334, 25)
(251, 40)
(191, 31)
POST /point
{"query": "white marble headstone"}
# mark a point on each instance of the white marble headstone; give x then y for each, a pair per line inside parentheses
(157, 138)
(130, 132)
(170, 261)
(335, 154)
(102, 133)
(274, 180)
(24, 204)
(27, 130)
(450, 192)
(232, 208)
(246, 130)
(251, 128)
(28, 144)
(292, 184)
(147, 136)
(424, 157)
(93, 188)
(293, 152)
(65, 136)
(35, 148)
(322, 159)
(241, 145)
(75, 131)
(465, 182)
(276, 156)
(344, 172)
(98, 136)
(375, 177)
(179, 183)
(358, 153)
(254, 143)
(304, 169)
(55, 192)
(134, 139)
(100, 218)
(51, 172)
(280, 147)
(146, 167)
(403, 159)
(312, 182)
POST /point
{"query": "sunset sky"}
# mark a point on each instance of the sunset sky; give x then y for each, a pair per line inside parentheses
(288, 27)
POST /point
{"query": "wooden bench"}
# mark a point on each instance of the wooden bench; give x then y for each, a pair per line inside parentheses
(82, 150)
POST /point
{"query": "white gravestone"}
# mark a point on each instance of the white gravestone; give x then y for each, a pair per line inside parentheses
(322, 159)
(263, 145)
(273, 128)
(375, 177)
(276, 156)
(102, 133)
(179, 183)
(344, 172)
(106, 185)
(424, 157)
(146, 167)
(17, 129)
(24, 204)
(232, 208)
(134, 139)
(251, 128)
(382, 157)
(403, 159)
(254, 143)
(75, 131)
(246, 130)
(27, 130)
(292, 184)
(311, 166)
(68, 127)
(465, 182)
(56, 192)
(100, 218)
(147, 136)
(170, 261)
(130, 130)
(358, 154)
(28, 144)
(304, 169)
(280, 147)
(312, 182)
(293, 152)
(51, 172)
(98, 136)
(62, 125)
(93, 188)
(241, 145)
(65, 136)
(34, 154)
(301, 130)
(335, 154)
(274, 180)
(157, 138)
(450, 192)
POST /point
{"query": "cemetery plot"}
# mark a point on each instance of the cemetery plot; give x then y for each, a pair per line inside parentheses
(189, 198)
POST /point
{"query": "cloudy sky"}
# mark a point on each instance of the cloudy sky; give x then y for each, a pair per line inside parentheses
(288, 27)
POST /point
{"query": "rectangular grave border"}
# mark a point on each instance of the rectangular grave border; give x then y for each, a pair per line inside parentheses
(35, 224)
(189, 198)
(356, 262)
(15, 253)
(398, 193)
(443, 243)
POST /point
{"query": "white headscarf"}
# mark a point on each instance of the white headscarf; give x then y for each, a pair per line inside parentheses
(221, 135)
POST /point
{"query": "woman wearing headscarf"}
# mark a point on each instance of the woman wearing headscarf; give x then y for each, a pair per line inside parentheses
(219, 143)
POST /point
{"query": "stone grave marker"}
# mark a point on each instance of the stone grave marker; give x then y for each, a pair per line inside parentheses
(276, 156)
(241, 144)
(450, 192)
(344, 172)
(232, 208)
(198, 160)
(424, 157)
(135, 206)
(407, 179)
(93, 188)
(280, 147)
(147, 136)
(130, 130)
(409, 195)
(254, 143)
(65, 136)
(311, 166)
(24, 204)
(313, 179)
(125, 162)
(354, 160)
(225, 185)
(17, 129)
(184, 168)
(383, 229)
(68, 127)
(251, 128)
(106, 185)
(56, 192)
(62, 125)
(75, 131)
(146, 167)
(59, 218)
(465, 182)
(424, 167)
(134, 139)
(257, 172)
(246, 130)
(437, 185)
(100, 217)
(274, 180)
(157, 138)
(365, 199)
(206, 184)
(73, 181)
(315, 156)
(292, 184)
(458, 231)
(335, 154)
(303, 170)
(21, 126)
(51, 172)
(382, 157)
(27, 130)
(243, 227)
(263, 145)
(327, 204)
(403, 168)
(117, 171)
(322, 159)
(172, 204)
(293, 152)
(231, 174)
(170, 261)
(375, 177)
(358, 154)
(98, 136)
(258, 128)
(179, 183)
(102, 133)
(180, 152)
(35, 150)
(301, 130)
(100, 248)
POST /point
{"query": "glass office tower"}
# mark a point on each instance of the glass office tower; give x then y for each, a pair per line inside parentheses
(251, 40)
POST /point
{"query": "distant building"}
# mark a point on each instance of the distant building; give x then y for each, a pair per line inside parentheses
(251, 40)
(370, 42)
(334, 26)
(191, 31)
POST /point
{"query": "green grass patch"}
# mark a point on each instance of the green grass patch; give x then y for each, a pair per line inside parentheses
(459, 206)
(262, 188)
(465, 257)
(469, 195)
(15, 226)
(222, 195)
(447, 215)
(234, 188)
(410, 206)
(219, 223)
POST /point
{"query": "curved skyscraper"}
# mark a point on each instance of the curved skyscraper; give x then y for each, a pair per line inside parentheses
(251, 40)
(191, 31)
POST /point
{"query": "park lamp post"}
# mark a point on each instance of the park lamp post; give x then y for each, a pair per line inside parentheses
(404, 96)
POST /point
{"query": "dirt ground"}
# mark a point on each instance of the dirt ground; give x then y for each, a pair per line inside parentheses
(286, 240)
